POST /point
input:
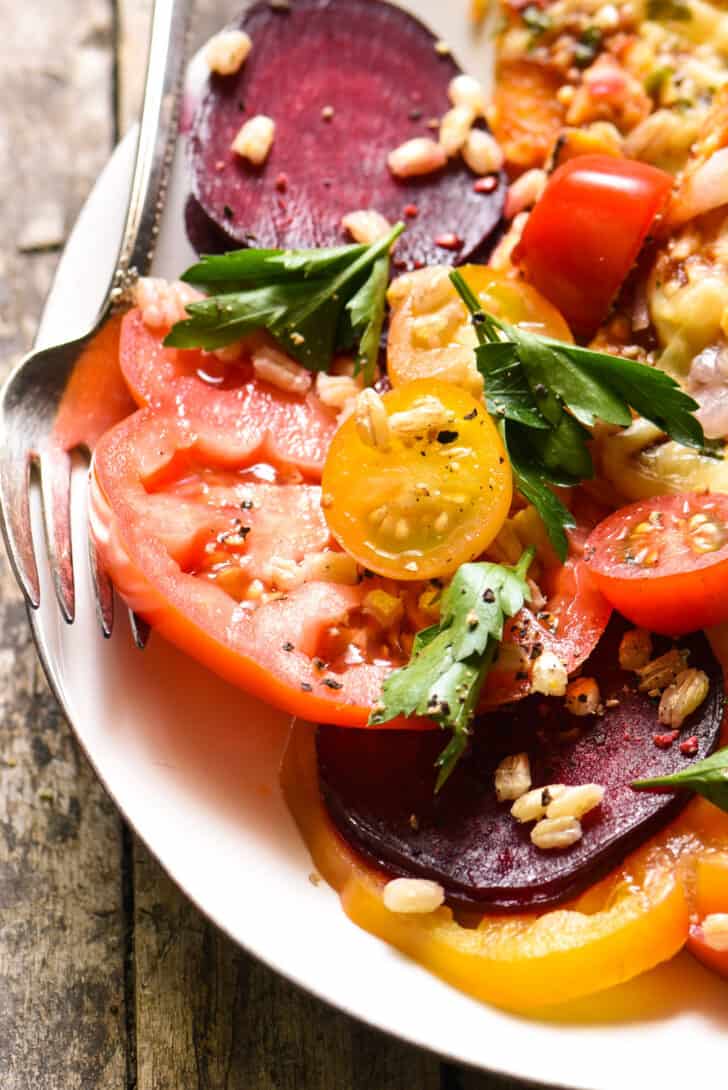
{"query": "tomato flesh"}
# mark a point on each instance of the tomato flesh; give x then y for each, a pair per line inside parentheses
(431, 334)
(584, 234)
(427, 499)
(298, 429)
(193, 535)
(663, 562)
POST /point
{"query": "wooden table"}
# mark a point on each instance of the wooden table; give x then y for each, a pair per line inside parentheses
(109, 978)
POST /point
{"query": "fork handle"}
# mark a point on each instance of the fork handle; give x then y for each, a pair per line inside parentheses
(155, 145)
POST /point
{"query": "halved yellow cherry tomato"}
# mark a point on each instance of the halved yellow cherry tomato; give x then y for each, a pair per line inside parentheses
(421, 485)
(431, 335)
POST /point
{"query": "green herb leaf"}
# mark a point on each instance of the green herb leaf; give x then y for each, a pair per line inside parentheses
(308, 300)
(708, 778)
(507, 392)
(533, 484)
(651, 392)
(587, 46)
(249, 266)
(366, 311)
(547, 394)
(450, 660)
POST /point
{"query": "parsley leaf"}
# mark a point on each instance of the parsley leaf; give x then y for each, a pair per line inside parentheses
(366, 314)
(547, 394)
(313, 302)
(450, 660)
(708, 778)
(248, 267)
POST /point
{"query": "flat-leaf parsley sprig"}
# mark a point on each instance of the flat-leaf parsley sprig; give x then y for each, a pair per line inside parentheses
(450, 660)
(546, 395)
(315, 303)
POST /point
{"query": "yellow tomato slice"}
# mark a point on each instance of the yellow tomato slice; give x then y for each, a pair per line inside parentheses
(430, 494)
(431, 335)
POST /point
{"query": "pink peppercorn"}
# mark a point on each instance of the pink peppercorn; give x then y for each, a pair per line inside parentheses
(689, 747)
(486, 185)
(449, 241)
(282, 183)
(411, 210)
(664, 741)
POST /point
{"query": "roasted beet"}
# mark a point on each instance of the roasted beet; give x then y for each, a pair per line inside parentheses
(378, 787)
(377, 69)
(204, 235)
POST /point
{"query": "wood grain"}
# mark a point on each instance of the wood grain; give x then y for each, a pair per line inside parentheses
(109, 978)
(61, 920)
(212, 1018)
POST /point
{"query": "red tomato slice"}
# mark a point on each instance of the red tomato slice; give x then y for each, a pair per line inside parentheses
(570, 623)
(663, 562)
(299, 430)
(96, 396)
(584, 234)
(187, 521)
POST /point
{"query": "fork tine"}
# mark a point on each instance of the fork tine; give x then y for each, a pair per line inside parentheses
(55, 488)
(139, 629)
(15, 506)
(103, 591)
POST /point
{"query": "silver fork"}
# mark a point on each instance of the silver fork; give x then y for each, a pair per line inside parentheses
(31, 396)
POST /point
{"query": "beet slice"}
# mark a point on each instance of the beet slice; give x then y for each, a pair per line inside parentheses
(378, 70)
(205, 236)
(378, 788)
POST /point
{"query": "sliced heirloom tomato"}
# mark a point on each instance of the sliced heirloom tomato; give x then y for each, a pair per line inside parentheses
(210, 545)
(569, 623)
(663, 562)
(584, 234)
(431, 334)
(299, 429)
(421, 487)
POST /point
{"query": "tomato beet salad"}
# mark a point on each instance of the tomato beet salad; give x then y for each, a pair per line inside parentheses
(427, 451)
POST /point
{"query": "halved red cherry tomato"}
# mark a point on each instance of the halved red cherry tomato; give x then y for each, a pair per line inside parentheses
(205, 541)
(428, 494)
(584, 234)
(663, 562)
(299, 429)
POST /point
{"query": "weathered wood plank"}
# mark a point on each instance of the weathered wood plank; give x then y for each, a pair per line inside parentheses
(61, 919)
(211, 1018)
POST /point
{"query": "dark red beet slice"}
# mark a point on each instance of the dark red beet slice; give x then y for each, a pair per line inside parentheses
(378, 788)
(204, 235)
(378, 69)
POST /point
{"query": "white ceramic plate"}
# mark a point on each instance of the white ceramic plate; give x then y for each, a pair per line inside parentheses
(193, 764)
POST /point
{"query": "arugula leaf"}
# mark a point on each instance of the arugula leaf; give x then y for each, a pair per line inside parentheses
(450, 660)
(313, 302)
(708, 778)
(547, 394)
